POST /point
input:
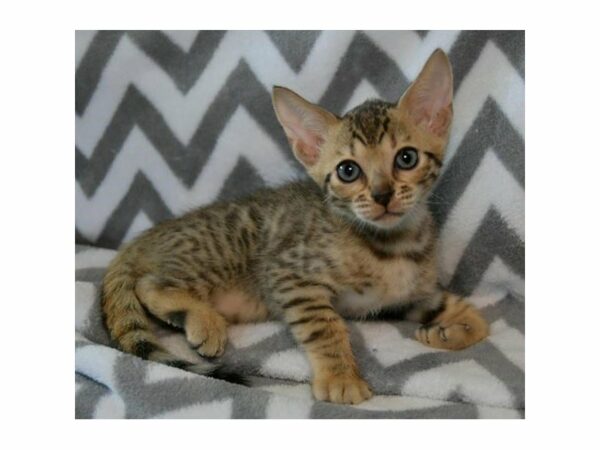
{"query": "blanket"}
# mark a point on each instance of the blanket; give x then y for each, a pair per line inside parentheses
(166, 121)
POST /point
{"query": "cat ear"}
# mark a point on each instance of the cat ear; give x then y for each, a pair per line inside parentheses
(428, 100)
(305, 124)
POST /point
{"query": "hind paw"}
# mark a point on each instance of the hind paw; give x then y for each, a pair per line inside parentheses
(207, 334)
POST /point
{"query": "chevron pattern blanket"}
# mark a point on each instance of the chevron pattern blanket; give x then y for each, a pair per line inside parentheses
(167, 121)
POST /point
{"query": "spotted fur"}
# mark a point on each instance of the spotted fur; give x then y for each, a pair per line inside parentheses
(368, 122)
(310, 253)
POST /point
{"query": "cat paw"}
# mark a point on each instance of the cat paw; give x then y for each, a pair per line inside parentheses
(341, 388)
(208, 334)
(456, 333)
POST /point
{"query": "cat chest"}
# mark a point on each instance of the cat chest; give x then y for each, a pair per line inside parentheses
(387, 285)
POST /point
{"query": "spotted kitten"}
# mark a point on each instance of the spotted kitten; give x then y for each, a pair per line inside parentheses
(355, 240)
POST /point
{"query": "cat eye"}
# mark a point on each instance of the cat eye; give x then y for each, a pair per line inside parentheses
(407, 158)
(348, 171)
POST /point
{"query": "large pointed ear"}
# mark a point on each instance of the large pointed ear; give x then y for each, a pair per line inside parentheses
(305, 124)
(428, 100)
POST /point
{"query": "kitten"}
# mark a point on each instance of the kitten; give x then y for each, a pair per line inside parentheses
(355, 240)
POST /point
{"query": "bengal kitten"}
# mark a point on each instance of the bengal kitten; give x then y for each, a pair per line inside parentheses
(355, 240)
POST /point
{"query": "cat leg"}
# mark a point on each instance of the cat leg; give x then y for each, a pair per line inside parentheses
(205, 329)
(321, 331)
(451, 323)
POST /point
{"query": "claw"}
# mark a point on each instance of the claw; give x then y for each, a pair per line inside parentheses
(443, 336)
(197, 346)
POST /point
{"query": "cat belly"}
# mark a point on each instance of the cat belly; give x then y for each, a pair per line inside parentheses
(238, 306)
(394, 284)
(355, 304)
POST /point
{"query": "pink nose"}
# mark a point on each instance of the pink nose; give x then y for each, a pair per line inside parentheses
(382, 198)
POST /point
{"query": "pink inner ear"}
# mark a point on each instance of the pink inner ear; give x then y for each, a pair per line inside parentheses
(306, 125)
(308, 154)
(440, 123)
(304, 139)
(308, 137)
(305, 142)
(429, 99)
(430, 106)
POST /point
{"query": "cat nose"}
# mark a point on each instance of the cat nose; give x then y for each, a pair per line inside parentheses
(383, 198)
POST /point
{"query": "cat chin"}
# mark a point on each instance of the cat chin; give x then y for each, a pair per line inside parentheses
(386, 221)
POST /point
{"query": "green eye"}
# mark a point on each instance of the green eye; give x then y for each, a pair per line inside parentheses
(348, 171)
(407, 158)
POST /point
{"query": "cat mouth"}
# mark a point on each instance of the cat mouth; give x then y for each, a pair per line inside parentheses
(387, 216)
(386, 219)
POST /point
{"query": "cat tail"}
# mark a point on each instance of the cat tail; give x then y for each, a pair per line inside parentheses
(130, 327)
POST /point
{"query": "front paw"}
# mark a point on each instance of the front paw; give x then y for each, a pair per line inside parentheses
(454, 332)
(341, 388)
